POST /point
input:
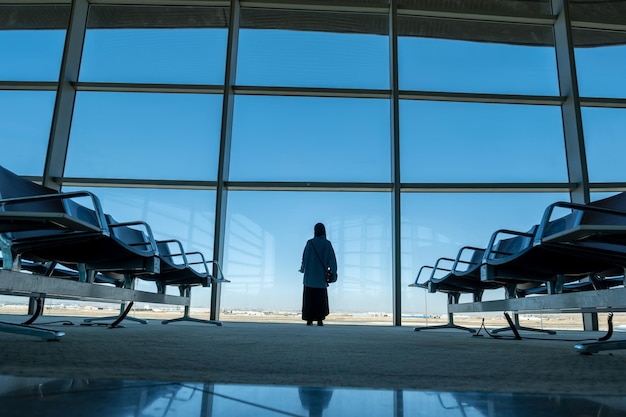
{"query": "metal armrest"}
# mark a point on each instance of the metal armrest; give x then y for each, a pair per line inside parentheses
(419, 273)
(205, 263)
(221, 277)
(97, 206)
(180, 247)
(438, 268)
(547, 215)
(458, 259)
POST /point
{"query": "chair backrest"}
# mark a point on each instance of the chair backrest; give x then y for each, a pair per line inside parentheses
(513, 245)
(129, 236)
(616, 202)
(13, 186)
(81, 212)
(563, 223)
(477, 257)
(164, 250)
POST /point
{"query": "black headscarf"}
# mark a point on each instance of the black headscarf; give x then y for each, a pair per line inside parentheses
(319, 230)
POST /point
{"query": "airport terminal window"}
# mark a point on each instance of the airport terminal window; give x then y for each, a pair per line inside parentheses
(429, 62)
(601, 63)
(31, 55)
(145, 136)
(266, 233)
(306, 57)
(476, 142)
(310, 139)
(185, 50)
(25, 130)
(436, 225)
(138, 136)
(605, 143)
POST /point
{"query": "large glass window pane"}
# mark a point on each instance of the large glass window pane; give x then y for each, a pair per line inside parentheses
(31, 55)
(290, 48)
(600, 63)
(25, 130)
(310, 139)
(265, 236)
(185, 215)
(137, 45)
(475, 142)
(145, 136)
(605, 143)
(436, 225)
(475, 57)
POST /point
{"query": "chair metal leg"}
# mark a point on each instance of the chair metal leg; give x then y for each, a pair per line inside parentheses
(595, 347)
(185, 291)
(603, 343)
(520, 327)
(453, 298)
(124, 310)
(45, 334)
(449, 325)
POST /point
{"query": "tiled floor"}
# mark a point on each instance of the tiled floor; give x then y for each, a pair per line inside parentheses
(79, 397)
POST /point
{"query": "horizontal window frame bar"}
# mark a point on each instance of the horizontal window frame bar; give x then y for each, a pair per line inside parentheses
(136, 183)
(311, 92)
(149, 88)
(487, 187)
(613, 103)
(314, 92)
(327, 186)
(307, 186)
(482, 98)
(599, 187)
(28, 85)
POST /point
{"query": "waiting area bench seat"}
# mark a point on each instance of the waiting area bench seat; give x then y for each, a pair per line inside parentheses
(72, 250)
(572, 263)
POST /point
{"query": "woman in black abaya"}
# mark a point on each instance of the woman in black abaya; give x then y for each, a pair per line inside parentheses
(319, 266)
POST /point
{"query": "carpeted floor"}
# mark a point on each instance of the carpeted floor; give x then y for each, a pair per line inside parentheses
(333, 355)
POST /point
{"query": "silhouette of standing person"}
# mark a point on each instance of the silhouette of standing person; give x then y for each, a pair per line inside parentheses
(317, 259)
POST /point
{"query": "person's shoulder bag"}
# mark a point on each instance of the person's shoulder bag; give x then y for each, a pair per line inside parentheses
(330, 277)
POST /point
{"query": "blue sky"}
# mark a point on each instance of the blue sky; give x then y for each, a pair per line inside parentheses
(176, 136)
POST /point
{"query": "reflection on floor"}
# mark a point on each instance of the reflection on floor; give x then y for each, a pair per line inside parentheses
(103, 398)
